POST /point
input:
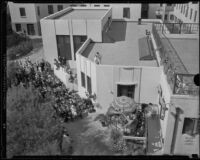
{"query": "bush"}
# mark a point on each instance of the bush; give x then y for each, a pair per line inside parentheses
(20, 50)
(14, 39)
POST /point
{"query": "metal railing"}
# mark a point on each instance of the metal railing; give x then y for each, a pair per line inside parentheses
(178, 28)
(184, 85)
(179, 79)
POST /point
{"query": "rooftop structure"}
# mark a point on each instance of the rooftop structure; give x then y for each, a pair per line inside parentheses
(123, 44)
(83, 14)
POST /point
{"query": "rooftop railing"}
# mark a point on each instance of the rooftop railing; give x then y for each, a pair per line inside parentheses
(179, 28)
(179, 79)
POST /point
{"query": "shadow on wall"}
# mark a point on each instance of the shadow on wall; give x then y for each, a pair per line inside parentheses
(88, 49)
(154, 135)
(116, 32)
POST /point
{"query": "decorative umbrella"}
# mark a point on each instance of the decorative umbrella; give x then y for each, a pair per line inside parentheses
(124, 104)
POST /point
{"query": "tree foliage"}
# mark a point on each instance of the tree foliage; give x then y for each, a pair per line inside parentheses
(30, 124)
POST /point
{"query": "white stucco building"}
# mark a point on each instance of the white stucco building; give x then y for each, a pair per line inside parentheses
(131, 64)
(25, 17)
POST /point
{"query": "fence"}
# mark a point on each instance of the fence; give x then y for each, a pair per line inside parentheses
(179, 79)
(178, 28)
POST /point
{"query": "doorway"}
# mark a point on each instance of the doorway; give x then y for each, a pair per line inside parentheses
(126, 90)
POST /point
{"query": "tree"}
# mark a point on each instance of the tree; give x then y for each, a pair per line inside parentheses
(30, 125)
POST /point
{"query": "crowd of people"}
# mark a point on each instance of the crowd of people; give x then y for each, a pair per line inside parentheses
(67, 104)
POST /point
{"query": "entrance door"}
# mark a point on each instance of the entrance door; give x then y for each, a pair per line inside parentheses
(126, 90)
(30, 29)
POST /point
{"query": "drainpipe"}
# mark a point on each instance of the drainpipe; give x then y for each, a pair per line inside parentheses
(178, 111)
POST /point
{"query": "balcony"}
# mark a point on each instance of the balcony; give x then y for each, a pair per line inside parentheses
(179, 28)
(178, 76)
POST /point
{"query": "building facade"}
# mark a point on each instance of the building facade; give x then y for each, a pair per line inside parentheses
(26, 17)
(78, 33)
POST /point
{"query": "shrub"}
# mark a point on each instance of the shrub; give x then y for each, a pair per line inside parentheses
(20, 50)
(14, 39)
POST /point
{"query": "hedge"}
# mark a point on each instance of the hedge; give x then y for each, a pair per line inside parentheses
(14, 39)
(20, 50)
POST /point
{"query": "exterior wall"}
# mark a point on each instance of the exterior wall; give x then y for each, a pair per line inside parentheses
(149, 83)
(182, 17)
(15, 13)
(190, 108)
(105, 18)
(49, 40)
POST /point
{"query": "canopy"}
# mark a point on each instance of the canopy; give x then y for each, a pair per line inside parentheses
(124, 104)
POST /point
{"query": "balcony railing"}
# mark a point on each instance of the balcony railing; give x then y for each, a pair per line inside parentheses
(179, 28)
(179, 79)
(184, 85)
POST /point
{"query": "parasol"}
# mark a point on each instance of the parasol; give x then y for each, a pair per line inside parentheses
(124, 104)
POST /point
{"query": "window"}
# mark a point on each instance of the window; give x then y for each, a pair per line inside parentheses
(190, 126)
(161, 5)
(172, 17)
(106, 5)
(166, 17)
(78, 41)
(83, 5)
(186, 14)
(97, 5)
(22, 12)
(82, 79)
(18, 27)
(60, 7)
(125, 90)
(181, 8)
(89, 86)
(38, 10)
(126, 12)
(73, 5)
(64, 46)
(30, 29)
(195, 16)
(50, 9)
(191, 13)
(184, 9)
(169, 4)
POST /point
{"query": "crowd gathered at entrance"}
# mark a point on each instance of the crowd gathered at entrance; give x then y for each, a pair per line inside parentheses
(67, 104)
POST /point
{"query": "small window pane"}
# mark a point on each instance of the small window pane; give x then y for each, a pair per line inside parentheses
(161, 5)
(188, 126)
(83, 5)
(172, 17)
(82, 79)
(89, 86)
(191, 13)
(60, 7)
(126, 12)
(38, 10)
(195, 16)
(106, 5)
(18, 27)
(97, 5)
(22, 11)
(50, 9)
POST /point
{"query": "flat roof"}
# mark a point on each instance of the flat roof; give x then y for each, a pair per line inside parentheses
(121, 45)
(83, 14)
(188, 51)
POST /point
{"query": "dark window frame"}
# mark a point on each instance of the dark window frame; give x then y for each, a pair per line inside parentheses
(96, 5)
(59, 7)
(17, 26)
(50, 9)
(38, 10)
(83, 38)
(22, 12)
(83, 84)
(194, 127)
(89, 85)
(195, 15)
(32, 29)
(191, 12)
(126, 12)
(106, 5)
